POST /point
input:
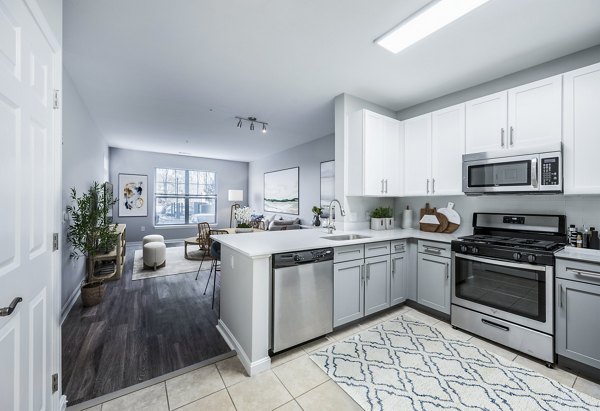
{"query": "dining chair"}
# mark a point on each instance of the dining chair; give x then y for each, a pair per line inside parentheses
(204, 236)
(214, 255)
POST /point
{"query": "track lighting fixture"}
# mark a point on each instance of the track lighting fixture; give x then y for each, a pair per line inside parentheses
(252, 120)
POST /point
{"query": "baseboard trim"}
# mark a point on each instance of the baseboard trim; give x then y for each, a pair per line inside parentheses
(69, 305)
(252, 368)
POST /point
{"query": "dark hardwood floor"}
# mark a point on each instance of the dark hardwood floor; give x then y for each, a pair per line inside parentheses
(141, 330)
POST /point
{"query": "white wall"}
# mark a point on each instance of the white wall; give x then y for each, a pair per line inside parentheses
(308, 157)
(231, 175)
(85, 154)
(52, 10)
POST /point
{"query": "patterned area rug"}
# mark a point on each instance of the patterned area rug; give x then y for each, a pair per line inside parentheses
(176, 264)
(404, 364)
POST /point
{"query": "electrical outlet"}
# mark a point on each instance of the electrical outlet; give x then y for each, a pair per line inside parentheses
(143, 228)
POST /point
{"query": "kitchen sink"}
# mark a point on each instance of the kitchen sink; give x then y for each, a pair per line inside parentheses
(345, 237)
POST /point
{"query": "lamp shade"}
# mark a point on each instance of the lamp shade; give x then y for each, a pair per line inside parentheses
(235, 195)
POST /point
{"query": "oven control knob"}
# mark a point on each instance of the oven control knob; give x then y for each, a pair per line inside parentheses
(531, 258)
(297, 258)
(464, 249)
(517, 256)
(474, 250)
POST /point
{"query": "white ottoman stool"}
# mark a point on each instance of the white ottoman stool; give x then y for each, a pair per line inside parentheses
(153, 238)
(155, 255)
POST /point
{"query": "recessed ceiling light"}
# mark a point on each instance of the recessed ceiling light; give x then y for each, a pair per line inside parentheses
(426, 21)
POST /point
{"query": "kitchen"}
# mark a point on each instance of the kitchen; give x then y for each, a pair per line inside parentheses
(522, 155)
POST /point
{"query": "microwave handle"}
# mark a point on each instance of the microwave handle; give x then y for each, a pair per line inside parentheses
(534, 172)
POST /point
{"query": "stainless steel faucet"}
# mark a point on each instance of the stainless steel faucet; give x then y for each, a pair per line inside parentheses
(331, 220)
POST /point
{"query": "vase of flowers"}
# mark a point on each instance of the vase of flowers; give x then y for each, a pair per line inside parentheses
(317, 214)
(243, 216)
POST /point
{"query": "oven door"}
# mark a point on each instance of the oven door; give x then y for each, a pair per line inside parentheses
(501, 175)
(515, 292)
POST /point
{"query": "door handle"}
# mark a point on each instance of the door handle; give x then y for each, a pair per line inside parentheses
(534, 173)
(512, 130)
(427, 186)
(6, 311)
(502, 137)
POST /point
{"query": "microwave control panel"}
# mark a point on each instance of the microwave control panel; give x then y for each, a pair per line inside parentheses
(550, 171)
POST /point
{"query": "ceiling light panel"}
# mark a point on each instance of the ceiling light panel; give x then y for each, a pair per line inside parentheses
(425, 22)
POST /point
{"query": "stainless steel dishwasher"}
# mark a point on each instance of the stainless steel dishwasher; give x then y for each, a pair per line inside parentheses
(302, 296)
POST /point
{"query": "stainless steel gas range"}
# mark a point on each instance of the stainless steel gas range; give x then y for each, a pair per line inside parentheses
(503, 280)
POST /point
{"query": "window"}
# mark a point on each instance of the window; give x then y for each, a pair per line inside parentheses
(185, 197)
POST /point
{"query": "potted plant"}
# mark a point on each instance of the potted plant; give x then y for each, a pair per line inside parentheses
(381, 219)
(243, 217)
(317, 211)
(90, 234)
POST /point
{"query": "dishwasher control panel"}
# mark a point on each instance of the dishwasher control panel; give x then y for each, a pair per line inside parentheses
(302, 257)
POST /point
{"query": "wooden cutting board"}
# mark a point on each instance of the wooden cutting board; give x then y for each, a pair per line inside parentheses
(443, 222)
(425, 226)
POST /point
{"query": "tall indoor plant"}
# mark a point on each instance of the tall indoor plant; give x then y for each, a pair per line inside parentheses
(90, 234)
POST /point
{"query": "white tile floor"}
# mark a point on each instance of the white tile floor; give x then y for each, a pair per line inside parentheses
(294, 382)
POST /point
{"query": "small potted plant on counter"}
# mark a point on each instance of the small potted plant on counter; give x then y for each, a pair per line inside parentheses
(317, 211)
(381, 219)
(243, 217)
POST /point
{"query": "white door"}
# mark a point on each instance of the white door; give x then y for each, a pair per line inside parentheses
(373, 142)
(486, 123)
(581, 141)
(392, 157)
(447, 149)
(534, 113)
(30, 168)
(417, 146)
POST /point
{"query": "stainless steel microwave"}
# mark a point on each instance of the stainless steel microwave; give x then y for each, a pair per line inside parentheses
(533, 171)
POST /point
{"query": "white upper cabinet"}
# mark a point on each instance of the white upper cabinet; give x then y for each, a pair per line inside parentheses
(417, 149)
(534, 113)
(433, 147)
(486, 123)
(447, 149)
(581, 139)
(374, 156)
(524, 116)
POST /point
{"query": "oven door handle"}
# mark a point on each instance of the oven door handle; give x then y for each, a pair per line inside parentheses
(501, 263)
(492, 324)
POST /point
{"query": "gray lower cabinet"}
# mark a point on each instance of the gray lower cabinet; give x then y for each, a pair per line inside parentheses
(433, 282)
(377, 283)
(578, 321)
(398, 269)
(348, 291)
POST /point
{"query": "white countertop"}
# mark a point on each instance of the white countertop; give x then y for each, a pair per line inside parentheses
(579, 254)
(270, 242)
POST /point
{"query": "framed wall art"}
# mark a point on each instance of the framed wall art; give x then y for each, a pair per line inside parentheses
(281, 194)
(133, 195)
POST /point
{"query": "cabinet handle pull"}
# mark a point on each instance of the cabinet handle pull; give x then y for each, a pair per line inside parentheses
(377, 248)
(427, 186)
(561, 295)
(393, 267)
(433, 186)
(362, 273)
(399, 247)
(382, 191)
(386, 186)
(433, 251)
(502, 137)
(368, 268)
(491, 324)
(584, 272)
(447, 271)
(511, 135)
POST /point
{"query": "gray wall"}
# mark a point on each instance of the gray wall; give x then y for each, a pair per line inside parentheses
(231, 175)
(52, 10)
(85, 159)
(308, 157)
(567, 63)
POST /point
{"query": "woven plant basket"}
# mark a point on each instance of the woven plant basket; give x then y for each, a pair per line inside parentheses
(92, 293)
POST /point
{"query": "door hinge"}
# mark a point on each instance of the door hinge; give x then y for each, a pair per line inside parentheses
(55, 242)
(54, 383)
(55, 104)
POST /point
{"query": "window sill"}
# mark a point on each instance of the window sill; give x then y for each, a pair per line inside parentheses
(166, 227)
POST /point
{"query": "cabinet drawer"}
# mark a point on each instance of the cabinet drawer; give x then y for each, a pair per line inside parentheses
(434, 248)
(348, 253)
(375, 249)
(398, 246)
(578, 271)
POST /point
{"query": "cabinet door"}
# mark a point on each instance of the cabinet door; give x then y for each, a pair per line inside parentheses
(417, 148)
(578, 322)
(581, 142)
(534, 113)
(433, 282)
(392, 157)
(486, 123)
(347, 292)
(373, 148)
(398, 264)
(447, 149)
(377, 284)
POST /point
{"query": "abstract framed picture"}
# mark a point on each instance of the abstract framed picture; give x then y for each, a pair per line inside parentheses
(327, 184)
(133, 195)
(281, 193)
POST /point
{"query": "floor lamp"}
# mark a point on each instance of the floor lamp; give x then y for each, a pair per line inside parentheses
(235, 196)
